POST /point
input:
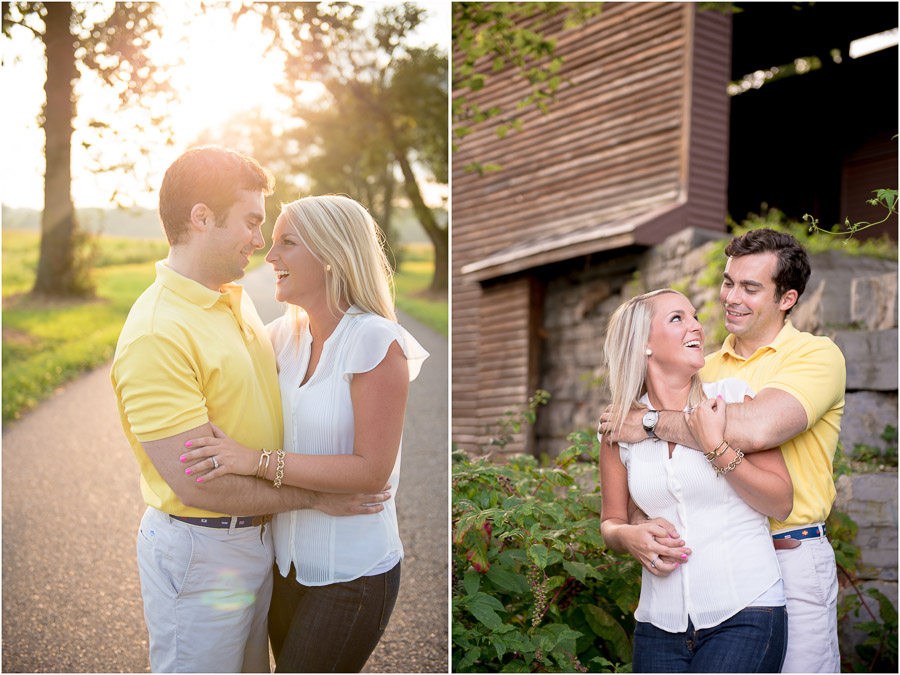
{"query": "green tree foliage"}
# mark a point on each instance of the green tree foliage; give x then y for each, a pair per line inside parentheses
(509, 35)
(77, 42)
(534, 587)
(386, 109)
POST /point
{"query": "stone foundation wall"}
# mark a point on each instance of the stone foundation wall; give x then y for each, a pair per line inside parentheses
(870, 499)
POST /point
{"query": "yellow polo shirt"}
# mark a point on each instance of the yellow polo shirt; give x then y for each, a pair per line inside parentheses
(188, 355)
(811, 369)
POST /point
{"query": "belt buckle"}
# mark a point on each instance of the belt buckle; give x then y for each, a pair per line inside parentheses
(262, 520)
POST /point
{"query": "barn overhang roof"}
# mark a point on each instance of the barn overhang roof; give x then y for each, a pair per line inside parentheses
(643, 228)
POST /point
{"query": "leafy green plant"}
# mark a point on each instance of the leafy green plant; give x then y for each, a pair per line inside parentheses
(814, 243)
(875, 458)
(534, 587)
(878, 652)
(885, 198)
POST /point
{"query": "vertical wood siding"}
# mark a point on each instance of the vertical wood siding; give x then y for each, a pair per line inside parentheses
(707, 189)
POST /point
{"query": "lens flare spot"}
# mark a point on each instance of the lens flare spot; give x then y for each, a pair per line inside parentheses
(233, 594)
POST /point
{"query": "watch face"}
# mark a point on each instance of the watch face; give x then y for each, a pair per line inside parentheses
(649, 421)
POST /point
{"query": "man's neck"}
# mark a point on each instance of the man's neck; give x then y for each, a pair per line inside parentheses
(746, 347)
(181, 260)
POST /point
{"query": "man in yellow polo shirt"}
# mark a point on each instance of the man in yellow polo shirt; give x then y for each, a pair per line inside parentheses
(799, 379)
(192, 352)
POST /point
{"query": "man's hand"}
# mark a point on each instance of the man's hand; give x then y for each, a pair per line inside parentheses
(344, 504)
(632, 430)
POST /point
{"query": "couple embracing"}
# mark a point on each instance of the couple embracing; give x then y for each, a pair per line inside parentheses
(716, 472)
(232, 421)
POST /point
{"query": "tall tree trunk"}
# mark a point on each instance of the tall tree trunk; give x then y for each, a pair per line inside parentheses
(438, 235)
(56, 267)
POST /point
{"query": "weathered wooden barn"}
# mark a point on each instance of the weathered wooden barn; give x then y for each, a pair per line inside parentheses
(642, 141)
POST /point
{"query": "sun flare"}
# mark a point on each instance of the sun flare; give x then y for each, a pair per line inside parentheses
(225, 71)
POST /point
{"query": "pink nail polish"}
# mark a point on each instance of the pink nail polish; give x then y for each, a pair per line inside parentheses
(181, 458)
(677, 564)
(683, 556)
(188, 444)
(187, 471)
(199, 480)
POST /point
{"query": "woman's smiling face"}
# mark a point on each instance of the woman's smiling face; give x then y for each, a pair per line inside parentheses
(676, 336)
(301, 276)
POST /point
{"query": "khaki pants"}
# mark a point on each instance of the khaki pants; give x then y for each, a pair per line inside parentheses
(811, 589)
(206, 595)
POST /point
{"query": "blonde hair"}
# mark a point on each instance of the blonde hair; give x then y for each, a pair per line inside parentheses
(626, 356)
(341, 234)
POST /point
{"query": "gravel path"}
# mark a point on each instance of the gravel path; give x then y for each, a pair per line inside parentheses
(71, 508)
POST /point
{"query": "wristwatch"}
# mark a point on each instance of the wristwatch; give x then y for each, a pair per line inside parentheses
(649, 422)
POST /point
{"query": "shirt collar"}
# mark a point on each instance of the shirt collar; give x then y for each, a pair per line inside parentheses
(192, 291)
(786, 334)
(230, 295)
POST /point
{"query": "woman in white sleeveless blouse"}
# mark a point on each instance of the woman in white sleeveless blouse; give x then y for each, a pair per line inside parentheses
(345, 365)
(711, 595)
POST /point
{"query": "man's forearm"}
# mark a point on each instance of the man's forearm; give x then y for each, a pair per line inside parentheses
(247, 496)
(670, 426)
(231, 494)
(767, 421)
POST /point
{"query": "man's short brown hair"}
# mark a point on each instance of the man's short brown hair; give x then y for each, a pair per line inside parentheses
(207, 175)
(792, 270)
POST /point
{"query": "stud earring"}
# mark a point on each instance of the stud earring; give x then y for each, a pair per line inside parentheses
(649, 353)
(327, 268)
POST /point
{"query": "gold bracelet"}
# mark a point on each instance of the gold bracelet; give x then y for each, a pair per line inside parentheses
(279, 471)
(732, 465)
(713, 454)
(262, 470)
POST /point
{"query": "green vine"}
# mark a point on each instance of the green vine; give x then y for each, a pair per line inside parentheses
(884, 198)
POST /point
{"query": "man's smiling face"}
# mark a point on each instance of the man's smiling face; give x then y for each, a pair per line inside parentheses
(752, 312)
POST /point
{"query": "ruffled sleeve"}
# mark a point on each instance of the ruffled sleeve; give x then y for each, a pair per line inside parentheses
(370, 344)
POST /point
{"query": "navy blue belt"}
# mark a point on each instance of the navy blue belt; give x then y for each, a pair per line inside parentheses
(224, 521)
(810, 532)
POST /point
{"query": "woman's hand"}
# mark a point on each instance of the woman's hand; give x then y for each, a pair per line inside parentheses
(650, 543)
(707, 423)
(231, 457)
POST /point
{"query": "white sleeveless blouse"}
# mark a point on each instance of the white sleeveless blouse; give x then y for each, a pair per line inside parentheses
(318, 420)
(733, 560)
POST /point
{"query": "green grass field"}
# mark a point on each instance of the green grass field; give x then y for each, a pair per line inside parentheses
(46, 344)
(411, 283)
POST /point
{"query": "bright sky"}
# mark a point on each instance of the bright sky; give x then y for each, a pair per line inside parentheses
(225, 72)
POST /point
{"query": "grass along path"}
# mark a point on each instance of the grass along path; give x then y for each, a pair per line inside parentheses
(48, 343)
(411, 283)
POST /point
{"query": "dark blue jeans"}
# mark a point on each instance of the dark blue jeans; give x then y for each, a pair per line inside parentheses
(752, 641)
(329, 629)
